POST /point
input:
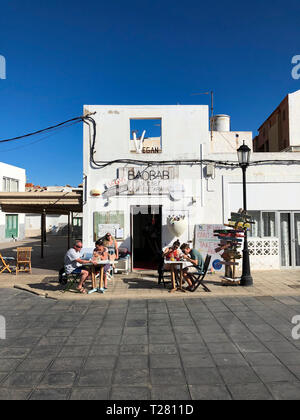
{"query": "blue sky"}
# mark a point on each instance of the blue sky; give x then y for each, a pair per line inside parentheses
(61, 55)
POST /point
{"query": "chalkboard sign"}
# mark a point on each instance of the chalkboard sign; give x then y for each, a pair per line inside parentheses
(206, 243)
(106, 221)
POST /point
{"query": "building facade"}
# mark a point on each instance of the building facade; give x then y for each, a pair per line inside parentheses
(12, 226)
(281, 130)
(143, 182)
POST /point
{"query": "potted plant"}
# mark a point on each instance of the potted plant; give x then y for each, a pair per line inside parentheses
(177, 225)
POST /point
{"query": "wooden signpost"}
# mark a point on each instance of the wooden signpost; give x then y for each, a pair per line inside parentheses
(230, 242)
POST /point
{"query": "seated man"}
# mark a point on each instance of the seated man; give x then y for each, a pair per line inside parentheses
(195, 258)
(72, 263)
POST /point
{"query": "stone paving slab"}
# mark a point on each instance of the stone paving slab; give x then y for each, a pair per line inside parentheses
(282, 283)
(218, 348)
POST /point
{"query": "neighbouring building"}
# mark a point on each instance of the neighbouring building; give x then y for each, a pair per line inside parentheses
(12, 225)
(281, 130)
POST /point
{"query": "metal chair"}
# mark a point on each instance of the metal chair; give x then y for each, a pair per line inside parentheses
(68, 280)
(23, 260)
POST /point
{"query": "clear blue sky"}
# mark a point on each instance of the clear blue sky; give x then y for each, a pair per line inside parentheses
(63, 54)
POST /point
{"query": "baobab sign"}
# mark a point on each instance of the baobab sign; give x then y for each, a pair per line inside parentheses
(2, 67)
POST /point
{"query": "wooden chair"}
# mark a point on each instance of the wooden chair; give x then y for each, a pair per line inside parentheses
(161, 271)
(23, 260)
(5, 263)
(199, 278)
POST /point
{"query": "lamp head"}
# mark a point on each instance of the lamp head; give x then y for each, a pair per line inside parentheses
(243, 153)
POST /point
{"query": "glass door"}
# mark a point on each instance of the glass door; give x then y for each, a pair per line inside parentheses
(285, 240)
(11, 226)
(290, 239)
(296, 239)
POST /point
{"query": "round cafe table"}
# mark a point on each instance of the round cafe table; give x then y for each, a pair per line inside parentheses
(93, 269)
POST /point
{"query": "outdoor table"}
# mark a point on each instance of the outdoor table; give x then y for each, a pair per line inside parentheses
(93, 268)
(183, 264)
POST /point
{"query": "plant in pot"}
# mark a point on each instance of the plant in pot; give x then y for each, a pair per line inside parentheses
(177, 225)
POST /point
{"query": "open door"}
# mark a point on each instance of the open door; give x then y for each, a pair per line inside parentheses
(146, 226)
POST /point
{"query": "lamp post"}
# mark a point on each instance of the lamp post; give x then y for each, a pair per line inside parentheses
(243, 153)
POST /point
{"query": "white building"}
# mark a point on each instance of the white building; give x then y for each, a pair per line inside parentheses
(135, 200)
(12, 179)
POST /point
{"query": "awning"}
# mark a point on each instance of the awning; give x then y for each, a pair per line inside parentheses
(39, 202)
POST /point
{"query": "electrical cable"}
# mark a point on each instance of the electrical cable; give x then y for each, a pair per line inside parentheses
(75, 120)
(38, 140)
(188, 162)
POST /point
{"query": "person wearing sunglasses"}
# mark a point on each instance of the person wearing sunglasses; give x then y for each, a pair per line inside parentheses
(73, 263)
(112, 245)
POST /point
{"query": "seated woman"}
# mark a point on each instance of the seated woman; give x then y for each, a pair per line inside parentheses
(169, 253)
(172, 252)
(112, 245)
(101, 254)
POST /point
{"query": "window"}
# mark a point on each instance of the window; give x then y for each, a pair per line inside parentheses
(268, 224)
(145, 135)
(10, 185)
(77, 221)
(264, 226)
(255, 228)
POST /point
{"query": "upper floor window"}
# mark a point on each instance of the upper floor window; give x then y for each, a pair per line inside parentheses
(10, 185)
(145, 135)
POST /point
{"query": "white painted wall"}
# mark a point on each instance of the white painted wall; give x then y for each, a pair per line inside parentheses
(184, 128)
(228, 142)
(294, 118)
(19, 174)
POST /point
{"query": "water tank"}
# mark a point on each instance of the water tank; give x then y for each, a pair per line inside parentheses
(220, 122)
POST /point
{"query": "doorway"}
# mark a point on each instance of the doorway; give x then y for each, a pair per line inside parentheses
(146, 226)
(11, 226)
(290, 239)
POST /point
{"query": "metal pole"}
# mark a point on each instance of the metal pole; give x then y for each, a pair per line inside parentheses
(246, 279)
(43, 218)
(69, 238)
(211, 115)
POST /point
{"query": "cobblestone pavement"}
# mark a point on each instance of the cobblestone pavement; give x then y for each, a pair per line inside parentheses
(191, 348)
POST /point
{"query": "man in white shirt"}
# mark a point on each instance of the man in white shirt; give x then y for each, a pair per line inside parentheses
(73, 262)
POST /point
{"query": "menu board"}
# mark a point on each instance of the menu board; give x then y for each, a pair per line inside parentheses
(206, 243)
(111, 221)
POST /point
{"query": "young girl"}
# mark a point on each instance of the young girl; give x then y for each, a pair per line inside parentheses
(101, 254)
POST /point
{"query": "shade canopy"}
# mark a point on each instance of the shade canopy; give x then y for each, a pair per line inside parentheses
(39, 202)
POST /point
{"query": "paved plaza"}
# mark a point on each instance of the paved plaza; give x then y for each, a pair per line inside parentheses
(141, 349)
